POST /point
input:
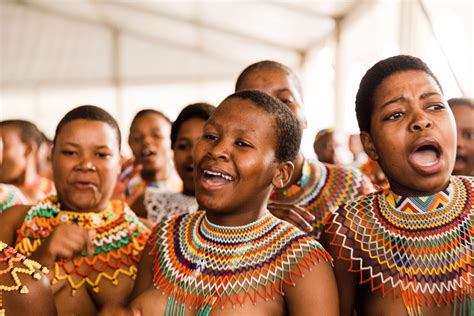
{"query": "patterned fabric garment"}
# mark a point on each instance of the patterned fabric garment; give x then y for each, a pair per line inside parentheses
(201, 265)
(418, 248)
(119, 239)
(137, 186)
(323, 187)
(12, 266)
(160, 204)
(9, 196)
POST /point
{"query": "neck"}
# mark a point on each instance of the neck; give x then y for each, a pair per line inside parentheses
(298, 172)
(409, 192)
(233, 219)
(154, 176)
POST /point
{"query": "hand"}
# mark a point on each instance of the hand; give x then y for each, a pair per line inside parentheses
(129, 170)
(65, 241)
(293, 214)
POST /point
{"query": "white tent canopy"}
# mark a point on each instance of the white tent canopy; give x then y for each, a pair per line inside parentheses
(127, 55)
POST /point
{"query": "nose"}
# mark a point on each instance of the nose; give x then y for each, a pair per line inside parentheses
(86, 165)
(420, 122)
(218, 150)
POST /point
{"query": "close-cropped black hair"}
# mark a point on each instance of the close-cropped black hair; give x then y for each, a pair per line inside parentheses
(288, 130)
(197, 110)
(28, 132)
(267, 64)
(469, 102)
(149, 111)
(89, 113)
(374, 77)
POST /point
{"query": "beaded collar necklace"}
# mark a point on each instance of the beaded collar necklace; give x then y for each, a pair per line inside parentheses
(203, 265)
(119, 239)
(418, 248)
(322, 187)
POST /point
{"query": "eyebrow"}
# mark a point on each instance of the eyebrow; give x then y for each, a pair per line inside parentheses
(402, 98)
(77, 145)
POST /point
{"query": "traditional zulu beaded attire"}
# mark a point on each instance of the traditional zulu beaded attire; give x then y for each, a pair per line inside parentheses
(160, 204)
(322, 187)
(12, 265)
(119, 239)
(417, 248)
(9, 196)
(201, 265)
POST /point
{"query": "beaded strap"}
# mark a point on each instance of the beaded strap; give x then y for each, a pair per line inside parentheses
(321, 188)
(14, 264)
(202, 265)
(420, 249)
(119, 240)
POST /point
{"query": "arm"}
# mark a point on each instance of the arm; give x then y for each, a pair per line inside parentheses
(293, 214)
(10, 221)
(314, 294)
(346, 281)
(144, 278)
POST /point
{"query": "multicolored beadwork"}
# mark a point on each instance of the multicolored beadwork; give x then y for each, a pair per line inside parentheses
(418, 248)
(120, 238)
(201, 265)
(14, 264)
(161, 204)
(323, 187)
(9, 196)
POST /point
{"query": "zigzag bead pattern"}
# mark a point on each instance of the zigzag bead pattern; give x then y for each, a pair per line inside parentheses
(14, 264)
(120, 238)
(419, 248)
(201, 265)
(321, 188)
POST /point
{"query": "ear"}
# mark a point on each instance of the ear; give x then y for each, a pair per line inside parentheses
(283, 174)
(31, 150)
(368, 144)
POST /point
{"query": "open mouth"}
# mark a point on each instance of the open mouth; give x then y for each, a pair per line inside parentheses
(147, 152)
(216, 178)
(426, 155)
(461, 162)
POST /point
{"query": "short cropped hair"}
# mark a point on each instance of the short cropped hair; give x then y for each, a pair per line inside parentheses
(144, 112)
(267, 64)
(89, 113)
(288, 130)
(197, 110)
(469, 102)
(28, 132)
(374, 77)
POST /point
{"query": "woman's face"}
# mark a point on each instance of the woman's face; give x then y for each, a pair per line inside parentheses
(188, 135)
(86, 163)
(413, 134)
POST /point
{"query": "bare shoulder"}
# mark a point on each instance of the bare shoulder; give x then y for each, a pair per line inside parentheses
(314, 290)
(25, 289)
(38, 301)
(10, 220)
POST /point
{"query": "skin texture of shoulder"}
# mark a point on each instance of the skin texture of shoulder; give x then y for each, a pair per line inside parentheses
(10, 220)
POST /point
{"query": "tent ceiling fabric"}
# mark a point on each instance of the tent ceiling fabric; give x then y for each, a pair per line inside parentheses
(85, 42)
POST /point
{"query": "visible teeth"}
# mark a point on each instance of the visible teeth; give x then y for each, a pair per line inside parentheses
(147, 152)
(218, 174)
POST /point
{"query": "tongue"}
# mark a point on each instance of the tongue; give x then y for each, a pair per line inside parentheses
(217, 180)
(425, 157)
